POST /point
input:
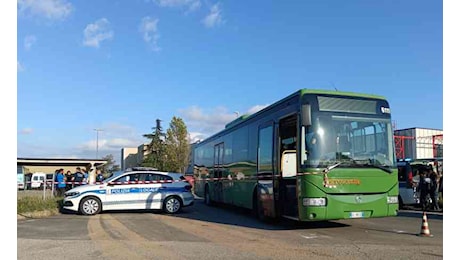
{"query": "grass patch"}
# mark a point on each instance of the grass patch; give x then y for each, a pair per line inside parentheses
(30, 204)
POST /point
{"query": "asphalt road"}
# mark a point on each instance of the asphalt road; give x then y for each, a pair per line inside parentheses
(202, 232)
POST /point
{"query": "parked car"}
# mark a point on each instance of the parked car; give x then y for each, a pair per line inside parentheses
(135, 188)
(408, 175)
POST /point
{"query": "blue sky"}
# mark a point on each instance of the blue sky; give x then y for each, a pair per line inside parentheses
(119, 65)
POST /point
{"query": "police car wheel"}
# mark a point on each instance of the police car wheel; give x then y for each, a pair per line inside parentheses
(90, 206)
(172, 205)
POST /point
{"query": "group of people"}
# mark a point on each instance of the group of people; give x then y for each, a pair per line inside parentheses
(430, 183)
(69, 180)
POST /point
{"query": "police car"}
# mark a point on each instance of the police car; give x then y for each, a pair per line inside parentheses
(135, 188)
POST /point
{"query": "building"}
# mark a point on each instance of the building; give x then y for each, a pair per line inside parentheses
(128, 157)
(132, 156)
(418, 143)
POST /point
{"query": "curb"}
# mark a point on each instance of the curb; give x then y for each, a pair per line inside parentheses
(37, 214)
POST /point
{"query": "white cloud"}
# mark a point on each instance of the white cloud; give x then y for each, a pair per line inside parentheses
(26, 131)
(118, 129)
(192, 5)
(256, 108)
(106, 146)
(201, 124)
(113, 137)
(214, 17)
(196, 136)
(20, 67)
(207, 122)
(29, 40)
(97, 32)
(51, 9)
(149, 30)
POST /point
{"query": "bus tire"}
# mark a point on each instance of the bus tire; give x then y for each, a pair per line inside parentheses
(207, 196)
(257, 208)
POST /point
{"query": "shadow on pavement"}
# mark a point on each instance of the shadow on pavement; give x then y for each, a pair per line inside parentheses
(416, 214)
(236, 216)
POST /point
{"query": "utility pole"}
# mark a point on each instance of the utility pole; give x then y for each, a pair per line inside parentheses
(97, 141)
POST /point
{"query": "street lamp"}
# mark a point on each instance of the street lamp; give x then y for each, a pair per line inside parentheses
(97, 141)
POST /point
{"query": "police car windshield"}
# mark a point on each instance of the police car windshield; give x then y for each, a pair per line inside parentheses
(115, 175)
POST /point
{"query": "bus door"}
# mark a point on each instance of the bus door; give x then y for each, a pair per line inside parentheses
(218, 172)
(287, 141)
(265, 197)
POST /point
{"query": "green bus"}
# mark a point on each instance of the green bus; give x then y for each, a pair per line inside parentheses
(314, 155)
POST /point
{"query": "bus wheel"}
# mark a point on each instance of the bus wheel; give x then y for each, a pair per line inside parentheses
(257, 208)
(207, 197)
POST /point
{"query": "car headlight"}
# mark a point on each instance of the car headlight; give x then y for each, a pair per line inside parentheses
(71, 194)
(392, 199)
(314, 201)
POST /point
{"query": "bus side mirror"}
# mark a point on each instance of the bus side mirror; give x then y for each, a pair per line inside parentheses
(306, 115)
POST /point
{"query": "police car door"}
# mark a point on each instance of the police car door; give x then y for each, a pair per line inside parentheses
(150, 193)
(123, 193)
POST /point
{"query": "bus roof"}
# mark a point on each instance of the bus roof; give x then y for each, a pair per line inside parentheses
(300, 92)
(340, 93)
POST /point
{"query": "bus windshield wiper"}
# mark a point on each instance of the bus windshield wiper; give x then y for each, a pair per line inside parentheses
(330, 167)
(368, 163)
(381, 167)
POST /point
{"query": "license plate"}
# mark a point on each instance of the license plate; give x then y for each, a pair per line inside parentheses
(356, 214)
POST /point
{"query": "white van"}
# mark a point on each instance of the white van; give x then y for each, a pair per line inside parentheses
(39, 178)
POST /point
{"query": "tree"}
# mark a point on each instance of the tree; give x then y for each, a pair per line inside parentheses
(177, 146)
(155, 149)
(110, 166)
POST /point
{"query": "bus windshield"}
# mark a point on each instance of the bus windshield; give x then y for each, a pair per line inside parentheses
(350, 141)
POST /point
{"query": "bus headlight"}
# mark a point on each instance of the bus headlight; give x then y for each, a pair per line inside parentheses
(314, 201)
(392, 199)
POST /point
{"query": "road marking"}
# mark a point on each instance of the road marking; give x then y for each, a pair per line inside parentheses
(309, 237)
(116, 241)
(254, 242)
(314, 235)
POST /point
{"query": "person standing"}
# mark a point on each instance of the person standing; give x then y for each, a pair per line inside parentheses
(68, 180)
(434, 189)
(424, 188)
(99, 176)
(55, 182)
(78, 177)
(85, 174)
(60, 183)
